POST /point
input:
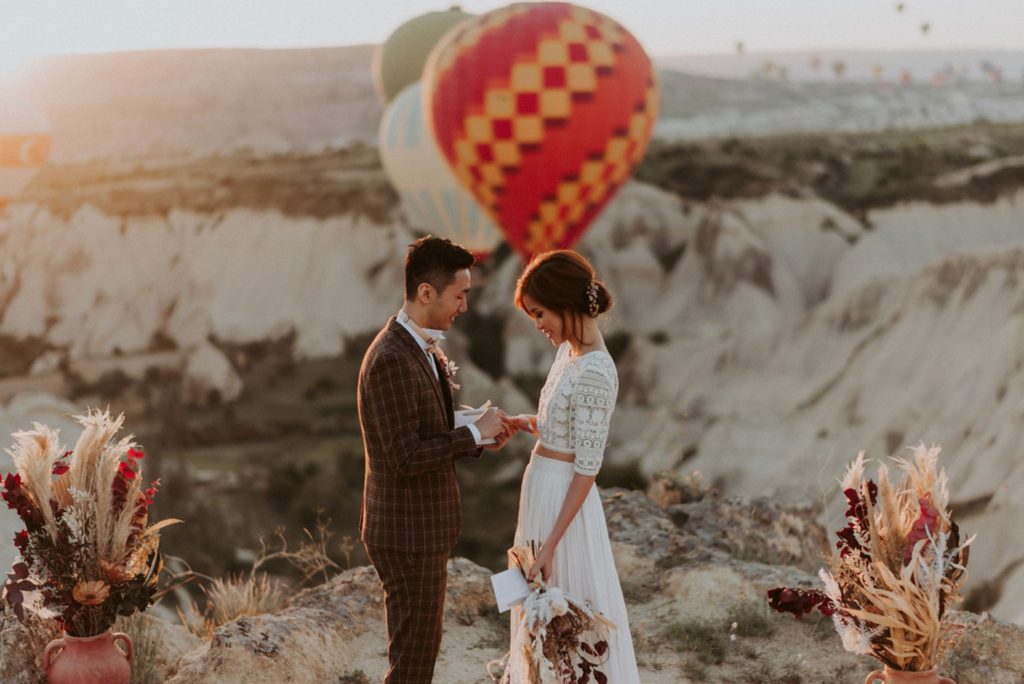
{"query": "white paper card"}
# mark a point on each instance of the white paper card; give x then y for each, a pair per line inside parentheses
(468, 416)
(510, 588)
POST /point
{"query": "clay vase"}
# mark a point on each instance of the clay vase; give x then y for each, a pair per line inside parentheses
(89, 660)
(897, 677)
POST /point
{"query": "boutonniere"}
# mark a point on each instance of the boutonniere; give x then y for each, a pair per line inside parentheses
(447, 366)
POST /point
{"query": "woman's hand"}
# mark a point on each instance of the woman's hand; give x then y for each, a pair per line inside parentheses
(543, 563)
(524, 423)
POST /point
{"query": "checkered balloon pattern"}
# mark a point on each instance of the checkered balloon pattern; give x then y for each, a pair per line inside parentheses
(542, 110)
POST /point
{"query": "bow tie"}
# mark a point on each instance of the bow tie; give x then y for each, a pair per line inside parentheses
(433, 338)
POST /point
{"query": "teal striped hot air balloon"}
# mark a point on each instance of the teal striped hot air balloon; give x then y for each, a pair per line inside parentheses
(432, 199)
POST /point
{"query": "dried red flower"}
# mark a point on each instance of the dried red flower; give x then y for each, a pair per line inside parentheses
(925, 525)
(800, 602)
(126, 470)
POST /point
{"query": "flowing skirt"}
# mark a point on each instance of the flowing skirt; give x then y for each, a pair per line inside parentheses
(583, 566)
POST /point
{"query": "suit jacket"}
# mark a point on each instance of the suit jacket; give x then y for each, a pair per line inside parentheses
(410, 493)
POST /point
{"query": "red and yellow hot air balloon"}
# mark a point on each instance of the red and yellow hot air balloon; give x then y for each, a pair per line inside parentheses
(24, 145)
(542, 110)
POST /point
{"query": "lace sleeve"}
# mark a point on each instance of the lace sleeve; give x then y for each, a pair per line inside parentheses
(591, 406)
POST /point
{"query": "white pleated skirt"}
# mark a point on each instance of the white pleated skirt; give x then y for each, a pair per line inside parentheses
(583, 565)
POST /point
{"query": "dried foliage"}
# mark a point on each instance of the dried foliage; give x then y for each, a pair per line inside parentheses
(898, 566)
(565, 641)
(88, 552)
(256, 592)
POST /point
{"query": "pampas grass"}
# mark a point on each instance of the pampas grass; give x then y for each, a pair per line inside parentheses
(898, 566)
(86, 514)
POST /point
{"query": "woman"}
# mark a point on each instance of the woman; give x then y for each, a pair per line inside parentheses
(559, 505)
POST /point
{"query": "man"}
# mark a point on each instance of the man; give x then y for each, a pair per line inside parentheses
(412, 513)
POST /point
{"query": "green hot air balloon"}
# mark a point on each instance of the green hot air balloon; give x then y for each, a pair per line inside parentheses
(398, 61)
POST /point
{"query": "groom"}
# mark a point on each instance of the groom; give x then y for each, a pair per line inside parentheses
(412, 515)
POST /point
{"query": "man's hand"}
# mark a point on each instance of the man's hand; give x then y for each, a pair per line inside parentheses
(491, 424)
(501, 439)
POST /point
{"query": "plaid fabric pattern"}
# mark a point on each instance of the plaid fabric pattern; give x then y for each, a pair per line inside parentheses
(412, 513)
(410, 493)
(414, 592)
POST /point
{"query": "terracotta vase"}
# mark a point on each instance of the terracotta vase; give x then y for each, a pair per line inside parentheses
(89, 660)
(897, 677)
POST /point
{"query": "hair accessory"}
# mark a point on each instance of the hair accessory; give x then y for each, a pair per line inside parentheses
(592, 298)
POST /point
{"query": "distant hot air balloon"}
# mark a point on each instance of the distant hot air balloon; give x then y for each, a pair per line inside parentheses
(398, 61)
(900, 7)
(740, 47)
(432, 199)
(543, 110)
(815, 62)
(768, 68)
(839, 68)
(25, 141)
(925, 28)
(878, 71)
(906, 78)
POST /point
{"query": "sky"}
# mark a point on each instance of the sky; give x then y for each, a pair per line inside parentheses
(666, 27)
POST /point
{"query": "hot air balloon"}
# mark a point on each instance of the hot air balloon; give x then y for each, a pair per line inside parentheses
(431, 197)
(542, 110)
(398, 61)
(839, 68)
(25, 142)
(740, 47)
(900, 7)
(925, 28)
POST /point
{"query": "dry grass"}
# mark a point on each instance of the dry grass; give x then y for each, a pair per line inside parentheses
(257, 592)
(147, 645)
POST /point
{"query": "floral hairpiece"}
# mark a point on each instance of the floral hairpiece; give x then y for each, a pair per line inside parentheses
(592, 298)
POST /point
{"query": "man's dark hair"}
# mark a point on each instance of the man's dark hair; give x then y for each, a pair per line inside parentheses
(435, 261)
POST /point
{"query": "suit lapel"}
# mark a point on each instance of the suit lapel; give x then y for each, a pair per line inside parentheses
(449, 404)
(401, 333)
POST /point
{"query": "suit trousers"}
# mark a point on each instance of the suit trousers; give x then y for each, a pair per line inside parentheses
(414, 592)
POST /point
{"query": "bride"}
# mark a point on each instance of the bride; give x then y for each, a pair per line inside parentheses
(559, 505)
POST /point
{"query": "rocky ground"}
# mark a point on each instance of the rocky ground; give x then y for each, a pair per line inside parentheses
(694, 568)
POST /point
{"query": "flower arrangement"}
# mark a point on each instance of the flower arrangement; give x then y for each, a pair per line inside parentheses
(87, 549)
(898, 566)
(556, 631)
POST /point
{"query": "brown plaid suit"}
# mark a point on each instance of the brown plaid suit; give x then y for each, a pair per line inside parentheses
(412, 513)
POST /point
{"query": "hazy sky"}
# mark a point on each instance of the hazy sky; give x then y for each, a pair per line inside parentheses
(32, 27)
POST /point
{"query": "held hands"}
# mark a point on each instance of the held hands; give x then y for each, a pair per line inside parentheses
(523, 422)
(498, 425)
(491, 424)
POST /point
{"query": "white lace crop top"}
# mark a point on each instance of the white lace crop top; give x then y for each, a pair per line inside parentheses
(576, 406)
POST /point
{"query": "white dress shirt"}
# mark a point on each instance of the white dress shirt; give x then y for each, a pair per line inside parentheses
(438, 336)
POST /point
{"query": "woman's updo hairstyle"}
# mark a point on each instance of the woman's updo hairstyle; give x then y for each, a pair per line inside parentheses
(563, 281)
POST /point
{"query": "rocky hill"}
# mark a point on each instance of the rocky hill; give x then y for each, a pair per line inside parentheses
(793, 304)
(694, 593)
